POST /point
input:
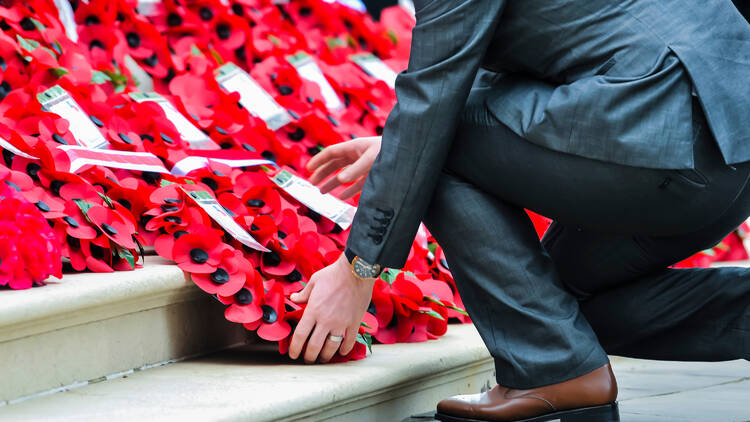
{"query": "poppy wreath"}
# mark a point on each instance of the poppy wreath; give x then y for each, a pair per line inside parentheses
(30, 249)
(100, 218)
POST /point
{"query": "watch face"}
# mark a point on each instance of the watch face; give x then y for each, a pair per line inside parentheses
(365, 270)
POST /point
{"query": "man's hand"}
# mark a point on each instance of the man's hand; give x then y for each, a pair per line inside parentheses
(356, 155)
(336, 302)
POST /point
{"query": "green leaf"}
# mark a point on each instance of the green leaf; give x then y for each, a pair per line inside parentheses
(117, 78)
(124, 254)
(365, 339)
(28, 45)
(98, 77)
(362, 324)
(215, 54)
(392, 35)
(165, 183)
(455, 308)
(84, 206)
(195, 51)
(59, 72)
(39, 25)
(106, 199)
(432, 247)
(433, 314)
(389, 275)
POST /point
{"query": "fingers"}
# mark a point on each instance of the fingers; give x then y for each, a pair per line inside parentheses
(301, 333)
(360, 168)
(326, 169)
(329, 185)
(349, 339)
(329, 349)
(353, 189)
(333, 152)
(303, 295)
(315, 343)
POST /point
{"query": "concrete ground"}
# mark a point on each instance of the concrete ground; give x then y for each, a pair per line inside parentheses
(656, 391)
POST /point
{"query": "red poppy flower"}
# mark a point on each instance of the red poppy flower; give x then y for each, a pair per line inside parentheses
(199, 251)
(245, 305)
(75, 223)
(272, 326)
(229, 276)
(29, 248)
(263, 200)
(113, 224)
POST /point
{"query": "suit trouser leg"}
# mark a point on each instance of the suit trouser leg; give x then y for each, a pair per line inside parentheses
(528, 320)
(640, 308)
(512, 291)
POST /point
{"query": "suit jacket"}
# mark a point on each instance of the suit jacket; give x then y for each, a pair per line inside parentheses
(604, 79)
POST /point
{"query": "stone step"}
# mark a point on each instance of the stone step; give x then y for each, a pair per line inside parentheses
(87, 327)
(255, 383)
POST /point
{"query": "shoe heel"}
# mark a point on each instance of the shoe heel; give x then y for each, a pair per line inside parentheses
(606, 413)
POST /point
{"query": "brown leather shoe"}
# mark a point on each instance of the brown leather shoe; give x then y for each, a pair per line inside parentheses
(588, 398)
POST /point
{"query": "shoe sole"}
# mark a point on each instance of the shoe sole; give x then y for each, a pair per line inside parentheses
(606, 413)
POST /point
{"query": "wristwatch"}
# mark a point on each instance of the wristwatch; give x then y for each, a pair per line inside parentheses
(362, 268)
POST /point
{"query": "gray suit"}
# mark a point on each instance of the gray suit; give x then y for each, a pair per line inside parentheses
(623, 121)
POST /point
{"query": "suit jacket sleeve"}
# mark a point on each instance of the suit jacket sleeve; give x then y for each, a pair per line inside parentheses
(448, 44)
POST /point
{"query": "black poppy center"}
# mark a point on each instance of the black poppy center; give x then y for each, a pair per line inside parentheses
(96, 44)
(173, 219)
(27, 24)
(243, 297)
(59, 139)
(269, 314)
(125, 138)
(71, 222)
(13, 185)
(109, 229)
(171, 200)
(32, 169)
(174, 19)
(169, 208)
(125, 203)
(42, 206)
(314, 216)
(255, 203)
(164, 137)
(96, 121)
(92, 20)
(220, 276)
(223, 31)
(206, 14)
(271, 259)
(133, 39)
(285, 89)
(294, 276)
(55, 186)
(179, 233)
(297, 135)
(268, 155)
(211, 183)
(199, 256)
(151, 61)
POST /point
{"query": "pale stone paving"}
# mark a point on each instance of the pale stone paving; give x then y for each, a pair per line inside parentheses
(657, 391)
